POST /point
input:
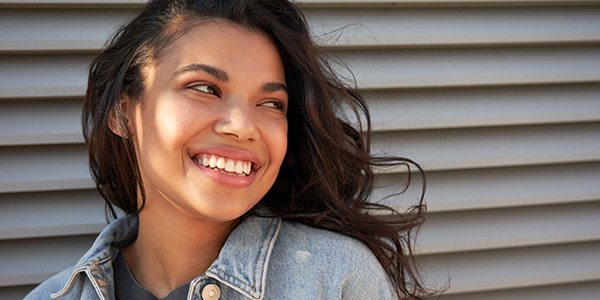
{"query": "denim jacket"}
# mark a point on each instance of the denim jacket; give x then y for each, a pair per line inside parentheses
(263, 258)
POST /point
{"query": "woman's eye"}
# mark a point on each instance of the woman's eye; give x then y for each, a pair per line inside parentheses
(205, 88)
(275, 105)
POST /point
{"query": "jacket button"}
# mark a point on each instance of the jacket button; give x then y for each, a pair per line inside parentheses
(211, 292)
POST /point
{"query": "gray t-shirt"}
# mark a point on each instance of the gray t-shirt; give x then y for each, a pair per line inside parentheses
(127, 288)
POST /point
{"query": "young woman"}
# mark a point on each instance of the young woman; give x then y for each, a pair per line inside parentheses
(213, 125)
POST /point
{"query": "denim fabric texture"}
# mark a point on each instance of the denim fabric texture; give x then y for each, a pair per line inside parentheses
(263, 258)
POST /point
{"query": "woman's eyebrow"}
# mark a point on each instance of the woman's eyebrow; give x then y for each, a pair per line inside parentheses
(274, 87)
(215, 72)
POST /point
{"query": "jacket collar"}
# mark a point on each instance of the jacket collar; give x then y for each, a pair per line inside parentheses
(96, 263)
(242, 263)
(244, 259)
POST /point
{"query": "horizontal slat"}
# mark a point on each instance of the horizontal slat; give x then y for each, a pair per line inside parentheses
(56, 122)
(42, 92)
(420, 27)
(475, 189)
(44, 168)
(494, 146)
(71, 3)
(304, 3)
(62, 45)
(510, 227)
(34, 260)
(412, 68)
(580, 291)
(55, 214)
(80, 30)
(514, 268)
(43, 76)
(87, 30)
(412, 3)
(487, 106)
(51, 75)
(15, 292)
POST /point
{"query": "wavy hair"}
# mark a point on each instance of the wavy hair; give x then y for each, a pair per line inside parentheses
(327, 175)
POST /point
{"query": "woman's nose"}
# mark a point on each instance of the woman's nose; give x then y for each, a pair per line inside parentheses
(237, 121)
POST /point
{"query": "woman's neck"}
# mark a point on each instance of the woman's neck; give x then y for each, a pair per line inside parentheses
(173, 248)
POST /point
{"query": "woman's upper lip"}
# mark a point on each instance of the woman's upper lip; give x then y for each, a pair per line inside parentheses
(229, 152)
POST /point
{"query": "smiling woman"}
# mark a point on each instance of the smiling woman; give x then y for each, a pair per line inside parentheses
(213, 126)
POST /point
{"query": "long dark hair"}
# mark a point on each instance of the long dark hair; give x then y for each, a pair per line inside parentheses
(327, 176)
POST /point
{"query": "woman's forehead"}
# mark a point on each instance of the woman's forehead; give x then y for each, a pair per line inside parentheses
(187, 27)
(223, 50)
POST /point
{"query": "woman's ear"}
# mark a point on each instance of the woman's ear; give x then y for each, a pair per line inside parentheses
(118, 122)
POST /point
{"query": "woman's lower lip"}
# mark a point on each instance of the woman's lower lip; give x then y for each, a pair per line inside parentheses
(235, 181)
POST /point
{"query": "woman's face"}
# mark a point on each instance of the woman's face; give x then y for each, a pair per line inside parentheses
(210, 130)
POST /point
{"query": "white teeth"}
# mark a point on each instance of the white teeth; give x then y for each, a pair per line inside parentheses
(229, 165)
(238, 167)
(220, 163)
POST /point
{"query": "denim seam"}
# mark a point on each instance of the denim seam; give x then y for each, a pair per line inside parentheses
(94, 283)
(69, 285)
(235, 277)
(261, 252)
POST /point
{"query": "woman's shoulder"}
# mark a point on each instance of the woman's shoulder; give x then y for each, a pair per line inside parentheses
(301, 237)
(325, 245)
(335, 264)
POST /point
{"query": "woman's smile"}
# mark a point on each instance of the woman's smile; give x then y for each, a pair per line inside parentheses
(227, 166)
(224, 165)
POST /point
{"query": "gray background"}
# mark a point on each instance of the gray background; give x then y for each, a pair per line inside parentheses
(498, 100)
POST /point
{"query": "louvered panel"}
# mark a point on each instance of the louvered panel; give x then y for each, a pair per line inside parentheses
(580, 291)
(494, 146)
(64, 75)
(514, 268)
(33, 260)
(64, 213)
(488, 188)
(498, 100)
(43, 168)
(56, 122)
(487, 106)
(510, 227)
(86, 30)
